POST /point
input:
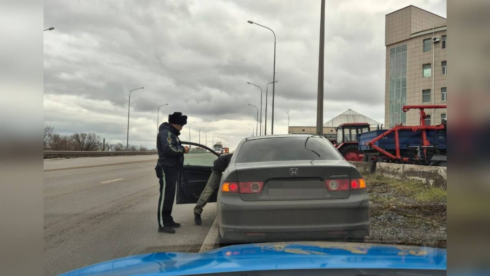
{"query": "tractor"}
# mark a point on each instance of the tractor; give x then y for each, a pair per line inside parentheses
(347, 143)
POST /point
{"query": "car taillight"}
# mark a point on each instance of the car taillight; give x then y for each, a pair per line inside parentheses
(335, 185)
(357, 184)
(229, 187)
(251, 187)
(338, 185)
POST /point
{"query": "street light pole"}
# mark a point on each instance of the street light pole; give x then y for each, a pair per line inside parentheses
(273, 73)
(261, 107)
(189, 125)
(158, 115)
(129, 108)
(288, 121)
(257, 123)
(252, 129)
(266, 97)
(319, 114)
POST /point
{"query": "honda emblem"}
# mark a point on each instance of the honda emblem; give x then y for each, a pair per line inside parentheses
(293, 171)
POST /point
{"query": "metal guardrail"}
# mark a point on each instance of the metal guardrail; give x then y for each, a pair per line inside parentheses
(67, 154)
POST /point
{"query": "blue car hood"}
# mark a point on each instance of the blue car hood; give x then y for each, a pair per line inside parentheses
(274, 256)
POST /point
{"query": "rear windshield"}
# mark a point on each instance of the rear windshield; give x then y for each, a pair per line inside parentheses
(287, 149)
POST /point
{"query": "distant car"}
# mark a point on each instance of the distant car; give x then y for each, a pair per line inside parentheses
(286, 187)
(298, 258)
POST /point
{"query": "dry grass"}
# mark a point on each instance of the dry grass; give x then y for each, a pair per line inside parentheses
(406, 212)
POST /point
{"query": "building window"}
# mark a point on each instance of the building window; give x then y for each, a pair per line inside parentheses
(444, 39)
(444, 94)
(444, 68)
(443, 117)
(427, 45)
(426, 96)
(427, 120)
(398, 84)
(426, 70)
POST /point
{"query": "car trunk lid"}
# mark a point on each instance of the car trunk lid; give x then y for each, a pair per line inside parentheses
(293, 180)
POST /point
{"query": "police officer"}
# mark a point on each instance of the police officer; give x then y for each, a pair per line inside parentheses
(212, 185)
(169, 165)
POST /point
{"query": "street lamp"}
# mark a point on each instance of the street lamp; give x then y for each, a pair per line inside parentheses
(129, 108)
(273, 72)
(200, 135)
(266, 97)
(257, 123)
(189, 125)
(252, 129)
(288, 121)
(261, 107)
(49, 29)
(158, 115)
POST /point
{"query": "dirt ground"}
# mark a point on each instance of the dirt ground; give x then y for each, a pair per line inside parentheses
(404, 212)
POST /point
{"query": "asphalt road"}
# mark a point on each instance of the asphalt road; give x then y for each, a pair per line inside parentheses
(102, 211)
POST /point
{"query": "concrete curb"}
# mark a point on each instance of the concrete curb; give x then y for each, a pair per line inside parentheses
(433, 176)
(211, 239)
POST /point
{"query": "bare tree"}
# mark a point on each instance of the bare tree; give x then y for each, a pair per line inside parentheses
(93, 142)
(59, 142)
(109, 147)
(132, 148)
(118, 147)
(143, 148)
(85, 141)
(48, 136)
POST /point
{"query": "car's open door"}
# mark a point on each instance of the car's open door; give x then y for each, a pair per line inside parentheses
(197, 169)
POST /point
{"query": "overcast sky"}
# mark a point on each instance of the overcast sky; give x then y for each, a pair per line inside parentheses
(198, 55)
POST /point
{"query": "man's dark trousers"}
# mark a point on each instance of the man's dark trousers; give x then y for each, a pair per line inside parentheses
(168, 183)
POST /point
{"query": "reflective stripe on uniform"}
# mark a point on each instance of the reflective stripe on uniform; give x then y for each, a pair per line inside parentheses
(163, 197)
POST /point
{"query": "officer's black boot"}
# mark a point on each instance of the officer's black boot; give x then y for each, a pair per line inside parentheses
(168, 224)
(171, 223)
(166, 229)
(197, 219)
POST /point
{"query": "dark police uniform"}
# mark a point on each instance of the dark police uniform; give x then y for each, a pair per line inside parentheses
(169, 166)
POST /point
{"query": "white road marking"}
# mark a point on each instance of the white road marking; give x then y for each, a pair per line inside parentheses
(211, 239)
(114, 180)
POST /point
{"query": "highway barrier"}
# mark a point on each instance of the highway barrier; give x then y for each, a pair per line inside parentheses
(49, 154)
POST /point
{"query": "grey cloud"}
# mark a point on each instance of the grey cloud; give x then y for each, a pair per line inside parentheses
(198, 55)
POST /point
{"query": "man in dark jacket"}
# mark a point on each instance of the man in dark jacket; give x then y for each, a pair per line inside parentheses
(170, 164)
(212, 185)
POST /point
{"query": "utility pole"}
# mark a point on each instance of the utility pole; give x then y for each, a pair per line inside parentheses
(129, 108)
(319, 115)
